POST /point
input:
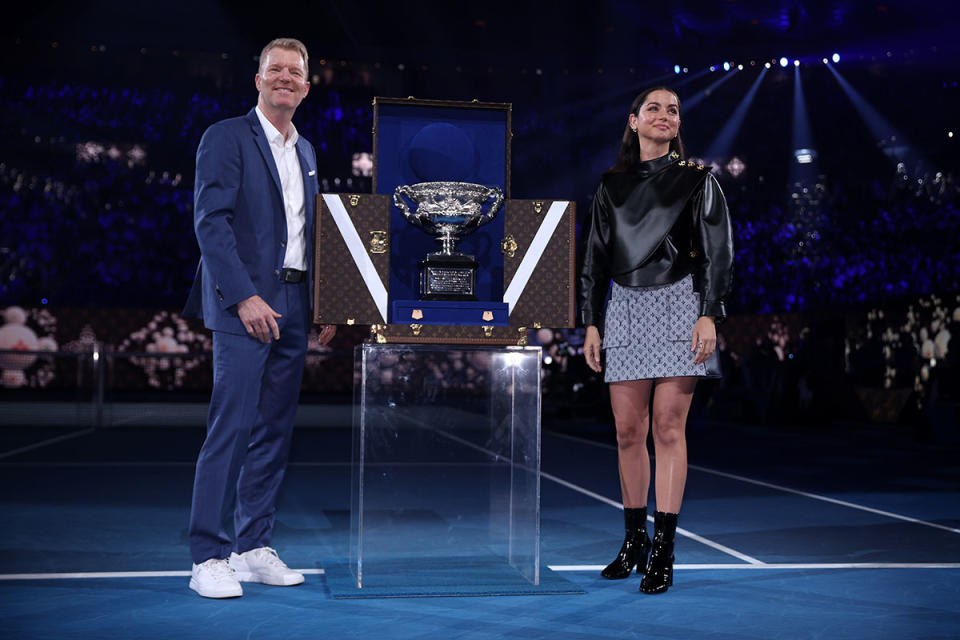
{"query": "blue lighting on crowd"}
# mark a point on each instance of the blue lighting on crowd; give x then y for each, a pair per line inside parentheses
(843, 259)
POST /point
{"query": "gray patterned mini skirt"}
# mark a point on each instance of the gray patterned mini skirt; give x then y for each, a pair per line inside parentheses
(647, 333)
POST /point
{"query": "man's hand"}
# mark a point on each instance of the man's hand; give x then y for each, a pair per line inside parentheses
(591, 348)
(259, 319)
(704, 340)
(326, 333)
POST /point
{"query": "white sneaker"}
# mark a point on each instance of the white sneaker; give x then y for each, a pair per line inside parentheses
(263, 565)
(215, 579)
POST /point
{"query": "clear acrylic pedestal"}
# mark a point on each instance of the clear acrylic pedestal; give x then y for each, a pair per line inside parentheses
(446, 470)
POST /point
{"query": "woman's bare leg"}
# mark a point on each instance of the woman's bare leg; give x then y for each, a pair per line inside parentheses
(630, 401)
(671, 405)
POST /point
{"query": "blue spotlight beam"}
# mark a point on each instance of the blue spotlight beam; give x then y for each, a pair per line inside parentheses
(613, 106)
(699, 97)
(610, 100)
(806, 171)
(802, 136)
(879, 126)
(893, 143)
(690, 78)
(724, 140)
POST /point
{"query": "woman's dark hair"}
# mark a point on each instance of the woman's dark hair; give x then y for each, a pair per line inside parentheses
(629, 156)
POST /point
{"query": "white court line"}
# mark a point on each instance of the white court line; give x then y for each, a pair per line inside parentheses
(117, 574)
(684, 532)
(780, 565)
(612, 503)
(815, 496)
(43, 443)
(21, 465)
(779, 487)
(552, 567)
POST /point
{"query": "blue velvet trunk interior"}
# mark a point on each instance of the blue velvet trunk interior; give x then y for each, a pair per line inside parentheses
(420, 143)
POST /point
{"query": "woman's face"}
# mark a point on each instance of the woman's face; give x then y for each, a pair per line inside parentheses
(658, 119)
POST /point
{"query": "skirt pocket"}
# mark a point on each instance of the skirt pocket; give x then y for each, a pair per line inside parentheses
(616, 324)
(683, 311)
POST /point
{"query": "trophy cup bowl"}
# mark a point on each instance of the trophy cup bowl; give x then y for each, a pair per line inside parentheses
(449, 211)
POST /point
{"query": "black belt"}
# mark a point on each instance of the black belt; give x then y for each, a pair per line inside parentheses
(292, 276)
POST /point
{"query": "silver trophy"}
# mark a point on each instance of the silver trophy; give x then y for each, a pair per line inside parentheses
(449, 211)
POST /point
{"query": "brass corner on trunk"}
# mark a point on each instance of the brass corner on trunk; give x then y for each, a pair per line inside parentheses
(508, 246)
(376, 333)
(378, 242)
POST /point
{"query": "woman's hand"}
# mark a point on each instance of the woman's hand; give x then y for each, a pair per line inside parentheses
(704, 341)
(591, 348)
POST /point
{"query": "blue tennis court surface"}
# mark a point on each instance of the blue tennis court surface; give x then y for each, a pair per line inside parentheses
(851, 532)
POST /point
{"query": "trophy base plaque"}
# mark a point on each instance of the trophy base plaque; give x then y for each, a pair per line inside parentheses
(448, 277)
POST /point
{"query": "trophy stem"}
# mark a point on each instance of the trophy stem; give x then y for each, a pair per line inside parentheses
(447, 245)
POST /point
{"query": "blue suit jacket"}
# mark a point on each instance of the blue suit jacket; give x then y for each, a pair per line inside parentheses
(240, 223)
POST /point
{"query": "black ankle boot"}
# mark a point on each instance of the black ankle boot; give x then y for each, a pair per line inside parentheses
(660, 568)
(636, 546)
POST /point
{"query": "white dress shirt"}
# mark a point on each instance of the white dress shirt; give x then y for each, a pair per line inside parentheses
(291, 183)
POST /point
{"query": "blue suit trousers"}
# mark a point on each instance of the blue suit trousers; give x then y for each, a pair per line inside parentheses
(242, 462)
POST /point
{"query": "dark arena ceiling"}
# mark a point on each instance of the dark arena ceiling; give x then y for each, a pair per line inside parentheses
(549, 34)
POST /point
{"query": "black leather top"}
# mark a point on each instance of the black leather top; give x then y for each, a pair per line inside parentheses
(655, 226)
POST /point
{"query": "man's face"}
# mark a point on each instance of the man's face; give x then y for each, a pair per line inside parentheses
(282, 80)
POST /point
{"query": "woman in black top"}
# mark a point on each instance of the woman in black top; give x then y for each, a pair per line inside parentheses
(659, 228)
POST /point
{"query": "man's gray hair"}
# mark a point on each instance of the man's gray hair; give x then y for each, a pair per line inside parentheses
(286, 43)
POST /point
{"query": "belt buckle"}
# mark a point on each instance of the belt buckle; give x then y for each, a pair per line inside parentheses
(291, 276)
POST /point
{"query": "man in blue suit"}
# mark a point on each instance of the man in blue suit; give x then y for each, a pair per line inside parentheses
(254, 197)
